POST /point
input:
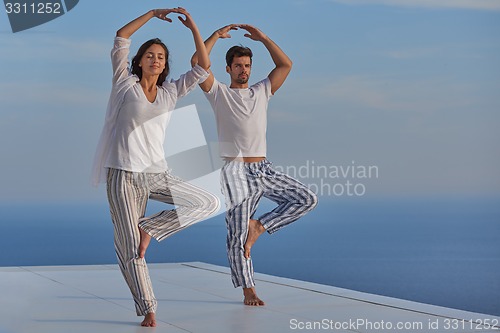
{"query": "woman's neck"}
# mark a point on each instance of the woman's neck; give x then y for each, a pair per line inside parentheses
(149, 82)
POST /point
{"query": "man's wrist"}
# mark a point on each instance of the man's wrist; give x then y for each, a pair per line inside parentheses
(216, 35)
(265, 38)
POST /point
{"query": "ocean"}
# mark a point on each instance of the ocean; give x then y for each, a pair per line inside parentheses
(444, 252)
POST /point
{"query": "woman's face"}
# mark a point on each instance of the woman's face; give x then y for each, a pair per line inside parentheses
(153, 61)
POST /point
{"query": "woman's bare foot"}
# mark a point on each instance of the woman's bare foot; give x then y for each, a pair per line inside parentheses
(255, 229)
(251, 297)
(143, 245)
(149, 320)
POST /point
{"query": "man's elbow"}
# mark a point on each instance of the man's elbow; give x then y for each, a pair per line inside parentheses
(287, 65)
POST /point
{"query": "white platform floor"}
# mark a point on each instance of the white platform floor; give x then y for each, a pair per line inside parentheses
(198, 297)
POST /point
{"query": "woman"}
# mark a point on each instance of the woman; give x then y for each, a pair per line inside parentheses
(131, 154)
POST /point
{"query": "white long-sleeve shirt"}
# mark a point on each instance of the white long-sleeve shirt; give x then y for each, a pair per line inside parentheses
(134, 128)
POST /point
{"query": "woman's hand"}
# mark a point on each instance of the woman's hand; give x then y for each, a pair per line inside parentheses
(188, 20)
(162, 14)
(130, 28)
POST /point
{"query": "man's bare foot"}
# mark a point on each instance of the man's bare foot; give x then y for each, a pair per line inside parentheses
(255, 229)
(143, 245)
(149, 320)
(251, 297)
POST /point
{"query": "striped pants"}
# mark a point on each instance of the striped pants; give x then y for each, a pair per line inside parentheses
(128, 193)
(243, 185)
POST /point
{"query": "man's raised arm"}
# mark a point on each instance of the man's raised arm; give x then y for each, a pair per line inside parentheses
(209, 44)
(283, 64)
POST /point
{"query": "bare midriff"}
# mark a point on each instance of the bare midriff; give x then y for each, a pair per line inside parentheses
(244, 159)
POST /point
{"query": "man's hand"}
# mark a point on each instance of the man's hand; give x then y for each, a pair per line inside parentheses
(283, 64)
(253, 32)
(224, 31)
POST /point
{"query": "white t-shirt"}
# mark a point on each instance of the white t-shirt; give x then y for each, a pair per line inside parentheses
(241, 116)
(134, 128)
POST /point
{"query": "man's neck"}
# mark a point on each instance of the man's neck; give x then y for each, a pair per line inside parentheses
(236, 85)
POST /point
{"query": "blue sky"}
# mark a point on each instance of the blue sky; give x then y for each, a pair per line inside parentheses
(408, 86)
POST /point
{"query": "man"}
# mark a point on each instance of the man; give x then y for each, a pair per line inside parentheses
(247, 176)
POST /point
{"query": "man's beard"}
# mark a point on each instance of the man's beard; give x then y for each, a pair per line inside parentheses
(241, 80)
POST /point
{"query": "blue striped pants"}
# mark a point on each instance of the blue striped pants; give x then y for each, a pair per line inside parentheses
(128, 193)
(243, 185)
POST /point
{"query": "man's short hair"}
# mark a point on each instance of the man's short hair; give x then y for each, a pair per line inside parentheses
(238, 51)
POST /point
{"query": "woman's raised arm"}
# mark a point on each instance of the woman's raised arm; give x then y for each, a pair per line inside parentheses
(130, 28)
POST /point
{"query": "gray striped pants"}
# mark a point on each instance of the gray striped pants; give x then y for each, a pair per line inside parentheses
(243, 185)
(128, 193)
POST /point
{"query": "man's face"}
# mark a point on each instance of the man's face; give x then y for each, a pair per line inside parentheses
(240, 69)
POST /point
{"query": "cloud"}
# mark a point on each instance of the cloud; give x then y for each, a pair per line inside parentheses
(415, 53)
(461, 4)
(399, 94)
(50, 95)
(43, 47)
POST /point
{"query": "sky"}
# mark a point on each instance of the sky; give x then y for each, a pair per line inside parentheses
(405, 88)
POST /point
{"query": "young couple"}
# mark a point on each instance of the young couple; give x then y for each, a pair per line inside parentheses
(130, 156)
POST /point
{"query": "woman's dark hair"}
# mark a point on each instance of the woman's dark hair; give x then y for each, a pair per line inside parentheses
(137, 70)
(238, 51)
